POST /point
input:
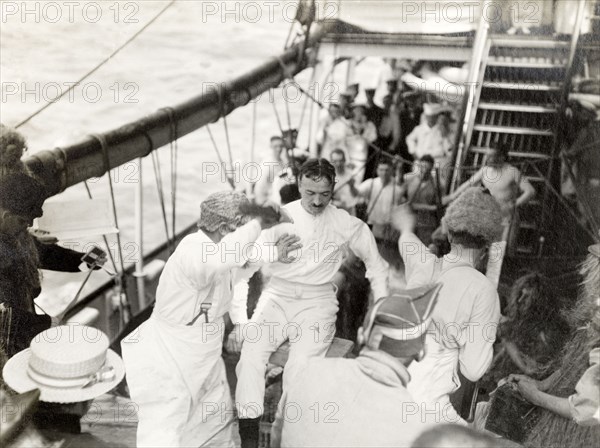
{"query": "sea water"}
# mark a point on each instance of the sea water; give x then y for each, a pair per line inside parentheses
(47, 46)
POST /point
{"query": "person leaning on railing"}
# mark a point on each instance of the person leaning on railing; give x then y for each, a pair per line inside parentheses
(21, 257)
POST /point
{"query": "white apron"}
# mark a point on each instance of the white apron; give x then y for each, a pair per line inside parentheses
(177, 380)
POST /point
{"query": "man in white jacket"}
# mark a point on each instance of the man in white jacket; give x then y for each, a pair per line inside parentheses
(468, 311)
(173, 363)
(300, 303)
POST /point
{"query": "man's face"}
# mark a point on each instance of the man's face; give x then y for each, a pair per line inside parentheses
(335, 111)
(431, 120)
(496, 158)
(315, 194)
(358, 113)
(277, 147)
(384, 172)
(425, 169)
(443, 120)
(338, 162)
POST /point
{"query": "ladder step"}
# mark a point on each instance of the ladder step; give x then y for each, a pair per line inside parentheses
(523, 64)
(517, 154)
(518, 108)
(536, 179)
(513, 130)
(527, 225)
(525, 250)
(523, 42)
(520, 86)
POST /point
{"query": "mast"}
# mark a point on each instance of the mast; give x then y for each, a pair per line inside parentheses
(63, 167)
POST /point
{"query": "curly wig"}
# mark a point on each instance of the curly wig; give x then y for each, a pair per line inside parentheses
(474, 219)
(222, 208)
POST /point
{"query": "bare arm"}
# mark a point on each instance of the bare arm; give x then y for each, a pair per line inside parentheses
(527, 387)
(527, 192)
(474, 180)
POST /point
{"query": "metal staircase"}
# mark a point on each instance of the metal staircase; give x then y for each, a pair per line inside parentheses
(518, 105)
(518, 94)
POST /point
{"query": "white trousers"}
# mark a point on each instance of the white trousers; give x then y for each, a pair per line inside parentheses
(177, 381)
(305, 315)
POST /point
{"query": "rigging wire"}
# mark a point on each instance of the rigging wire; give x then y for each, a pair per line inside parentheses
(110, 255)
(120, 280)
(252, 145)
(97, 67)
(563, 201)
(174, 151)
(161, 195)
(221, 162)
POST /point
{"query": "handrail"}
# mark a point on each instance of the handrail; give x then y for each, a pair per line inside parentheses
(471, 99)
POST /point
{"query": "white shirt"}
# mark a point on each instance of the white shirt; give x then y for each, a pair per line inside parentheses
(325, 240)
(380, 199)
(465, 320)
(424, 140)
(199, 265)
(269, 171)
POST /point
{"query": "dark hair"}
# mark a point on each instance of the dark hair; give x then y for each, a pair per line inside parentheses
(427, 158)
(22, 195)
(289, 193)
(317, 169)
(469, 241)
(339, 151)
(276, 137)
(384, 161)
(501, 149)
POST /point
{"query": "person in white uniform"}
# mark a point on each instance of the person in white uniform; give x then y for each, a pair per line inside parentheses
(299, 303)
(468, 310)
(335, 400)
(173, 363)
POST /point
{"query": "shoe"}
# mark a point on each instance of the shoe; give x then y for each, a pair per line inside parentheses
(249, 430)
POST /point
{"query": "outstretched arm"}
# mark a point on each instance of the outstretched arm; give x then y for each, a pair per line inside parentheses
(474, 180)
(527, 387)
(527, 192)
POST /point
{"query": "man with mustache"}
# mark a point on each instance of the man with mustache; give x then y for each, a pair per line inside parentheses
(300, 303)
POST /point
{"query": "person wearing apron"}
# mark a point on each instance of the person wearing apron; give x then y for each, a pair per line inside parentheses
(173, 363)
(468, 310)
(299, 303)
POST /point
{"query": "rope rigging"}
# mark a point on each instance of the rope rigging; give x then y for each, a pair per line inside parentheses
(124, 308)
(98, 66)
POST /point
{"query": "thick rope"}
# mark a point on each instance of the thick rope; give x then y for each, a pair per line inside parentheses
(252, 144)
(112, 259)
(120, 280)
(161, 195)
(174, 150)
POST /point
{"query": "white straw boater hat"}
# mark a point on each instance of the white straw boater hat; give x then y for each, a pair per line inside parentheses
(68, 364)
